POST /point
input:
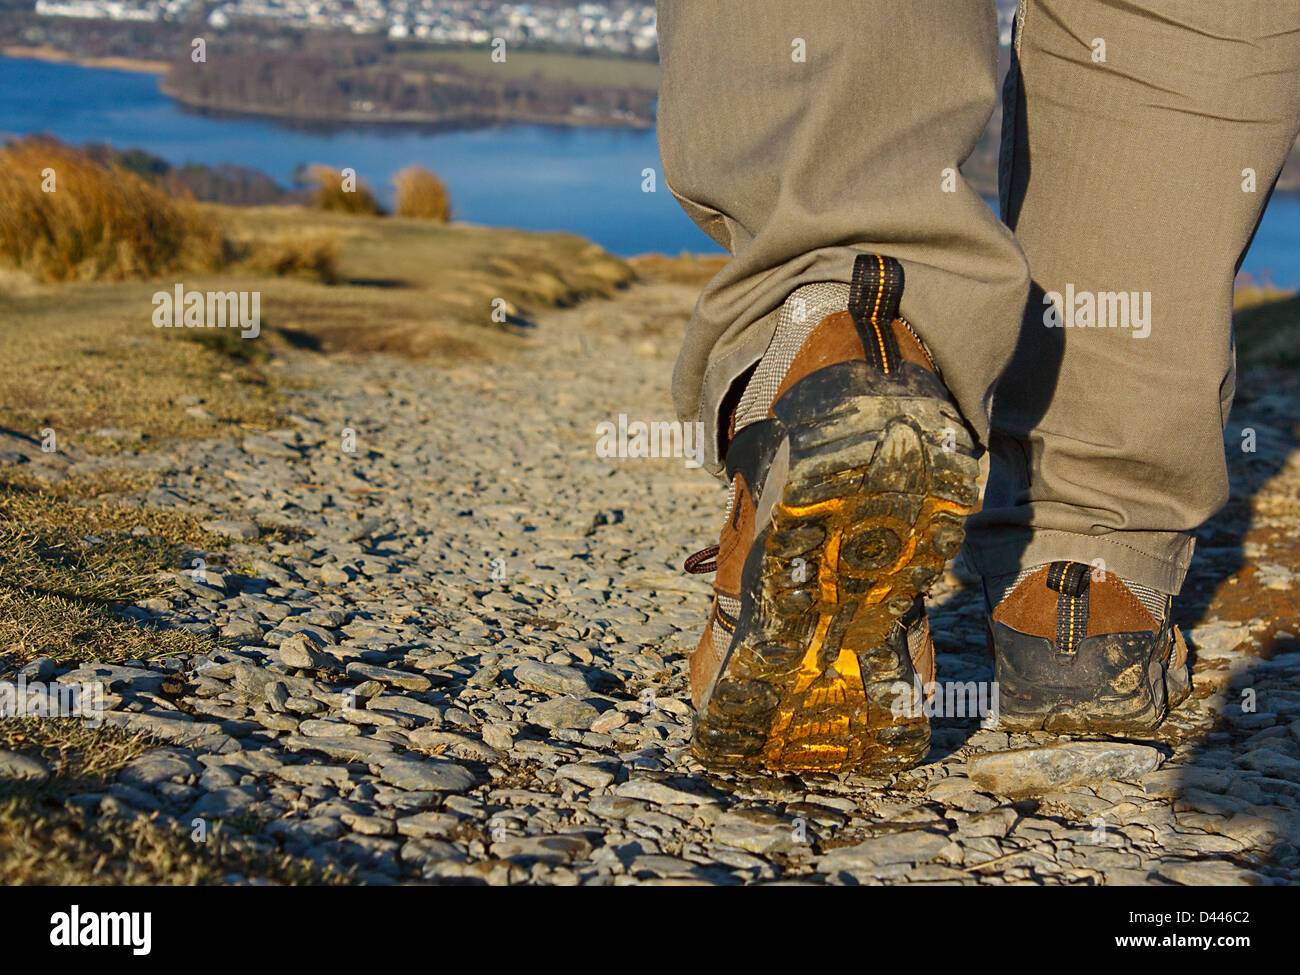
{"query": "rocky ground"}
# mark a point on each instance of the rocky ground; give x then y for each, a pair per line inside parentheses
(471, 664)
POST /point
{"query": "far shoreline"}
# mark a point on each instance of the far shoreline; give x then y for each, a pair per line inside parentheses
(55, 56)
(160, 69)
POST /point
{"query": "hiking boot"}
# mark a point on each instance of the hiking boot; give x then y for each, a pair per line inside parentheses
(849, 493)
(1079, 650)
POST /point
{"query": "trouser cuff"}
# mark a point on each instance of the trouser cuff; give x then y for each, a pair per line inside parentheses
(1156, 559)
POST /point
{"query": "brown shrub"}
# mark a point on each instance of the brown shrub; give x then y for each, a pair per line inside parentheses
(330, 194)
(313, 256)
(422, 195)
(95, 221)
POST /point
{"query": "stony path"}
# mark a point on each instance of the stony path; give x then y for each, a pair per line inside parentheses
(472, 663)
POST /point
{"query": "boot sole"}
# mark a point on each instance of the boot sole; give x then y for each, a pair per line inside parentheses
(874, 504)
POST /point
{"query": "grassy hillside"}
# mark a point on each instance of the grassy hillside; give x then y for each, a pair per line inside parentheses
(75, 349)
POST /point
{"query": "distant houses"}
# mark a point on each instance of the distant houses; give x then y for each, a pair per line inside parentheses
(614, 26)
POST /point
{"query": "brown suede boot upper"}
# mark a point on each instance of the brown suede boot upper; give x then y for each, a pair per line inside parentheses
(1034, 607)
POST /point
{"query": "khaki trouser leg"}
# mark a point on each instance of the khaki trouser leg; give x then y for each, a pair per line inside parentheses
(796, 166)
(1129, 175)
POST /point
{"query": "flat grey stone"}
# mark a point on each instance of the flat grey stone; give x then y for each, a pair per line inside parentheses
(321, 636)
(405, 705)
(498, 736)
(252, 682)
(1272, 762)
(563, 712)
(181, 729)
(242, 630)
(302, 652)
(1034, 771)
(42, 669)
(429, 824)
(14, 765)
(659, 865)
(369, 825)
(1208, 873)
(313, 774)
(222, 803)
(329, 618)
(588, 775)
(395, 678)
(326, 728)
(307, 831)
(611, 720)
(758, 838)
(155, 767)
(995, 823)
(206, 585)
(912, 846)
(615, 807)
(659, 793)
(333, 575)
(551, 678)
(342, 749)
(244, 531)
(428, 775)
(263, 446)
(114, 677)
(135, 798)
(541, 849)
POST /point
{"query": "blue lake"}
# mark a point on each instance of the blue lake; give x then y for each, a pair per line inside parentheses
(587, 181)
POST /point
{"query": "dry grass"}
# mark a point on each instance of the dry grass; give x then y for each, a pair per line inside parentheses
(86, 357)
(78, 756)
(313, 256)
(34, 624)
(46, 840)
(694, 269)
(69, 554)
(64, 217)
(61, 846)
(419, 288)
(421, 195)
(339, 194)
(105, 223)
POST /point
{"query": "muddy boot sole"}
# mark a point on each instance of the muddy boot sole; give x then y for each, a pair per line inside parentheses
(874, 501)
(1114, 684)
